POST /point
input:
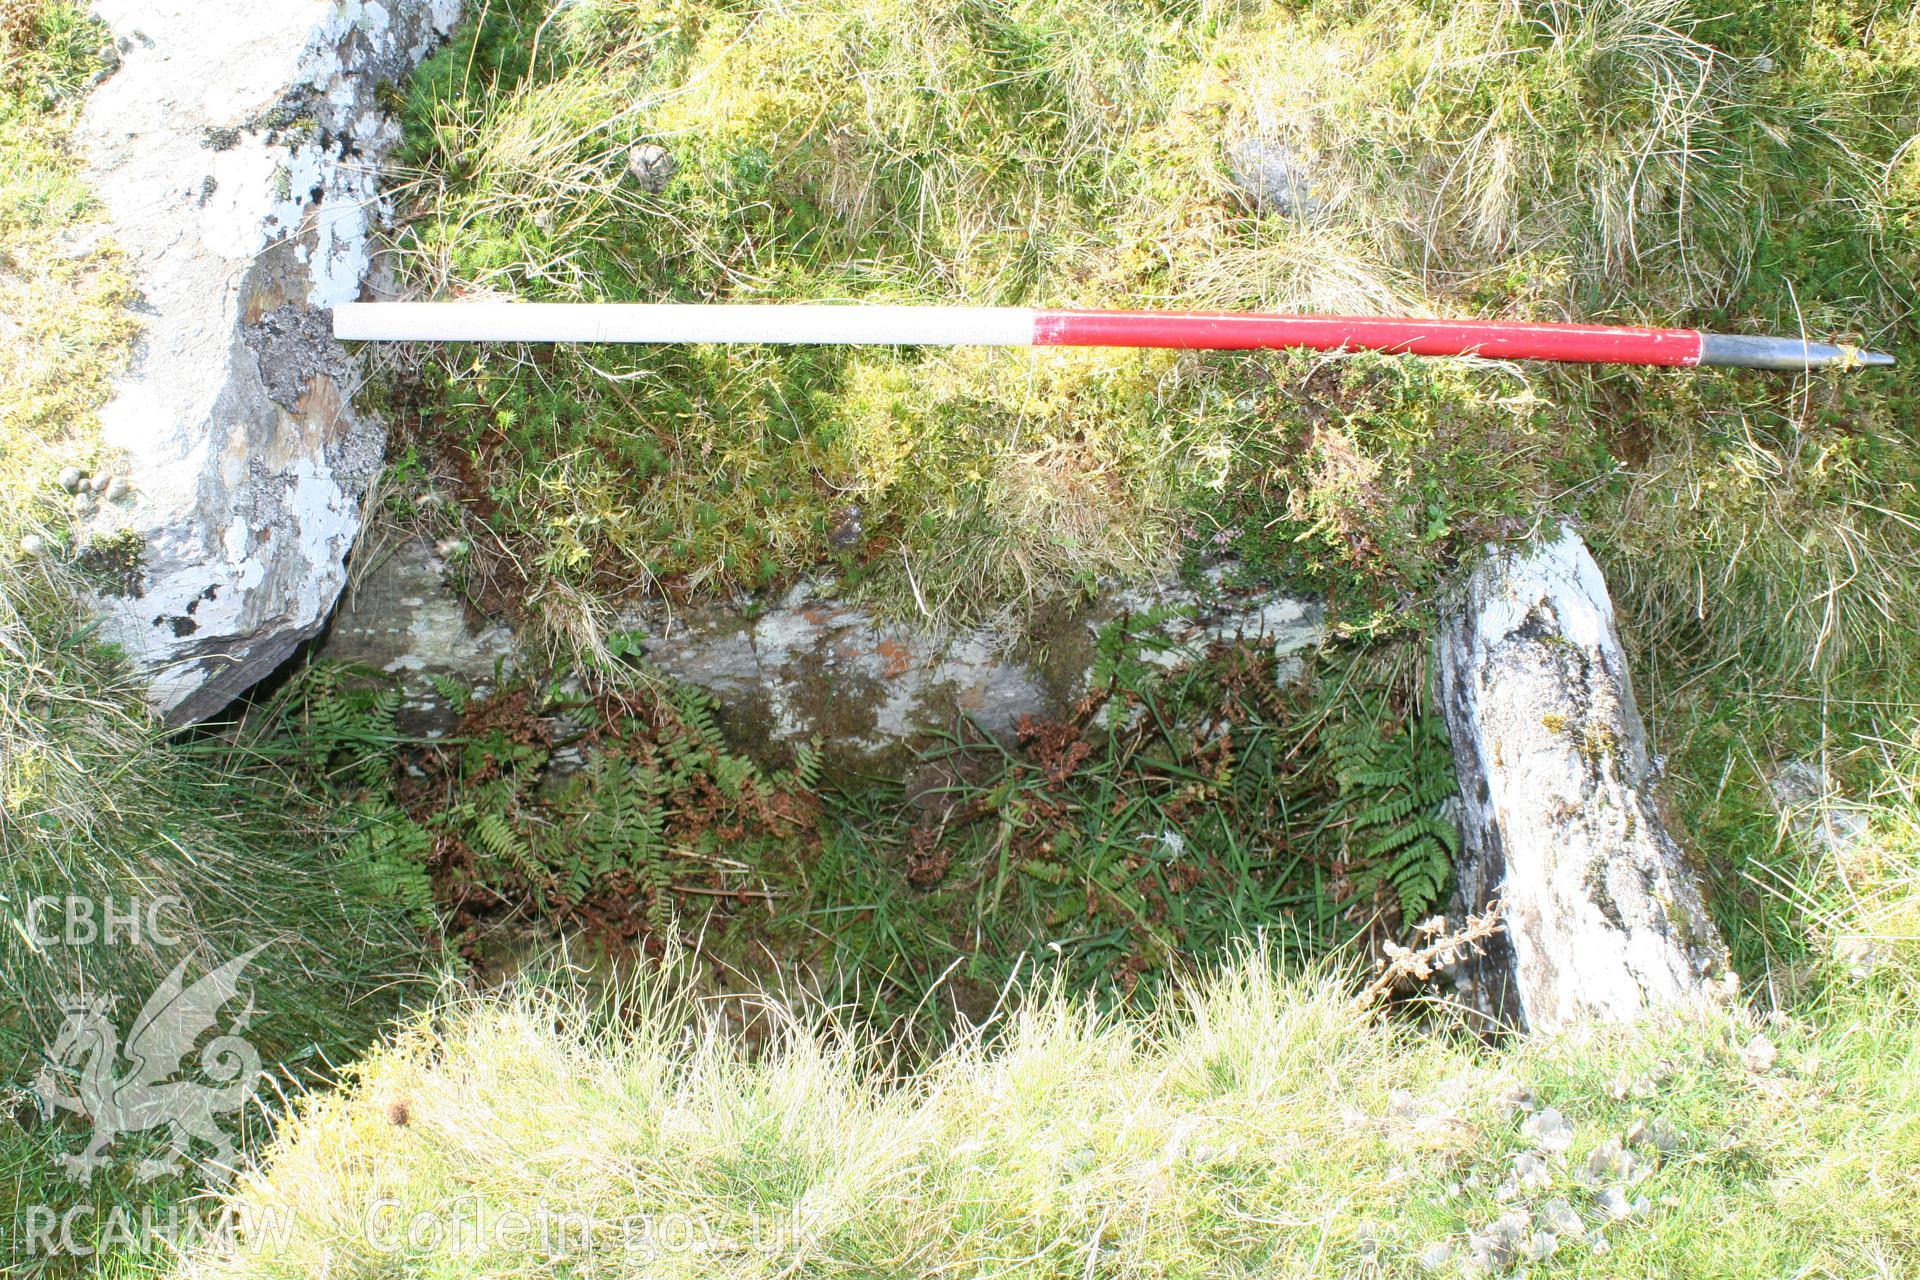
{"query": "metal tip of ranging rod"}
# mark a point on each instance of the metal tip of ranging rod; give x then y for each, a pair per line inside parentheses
(1737, 352)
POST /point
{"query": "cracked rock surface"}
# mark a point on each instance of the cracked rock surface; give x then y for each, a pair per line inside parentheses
(1602, 912)
(237, 152)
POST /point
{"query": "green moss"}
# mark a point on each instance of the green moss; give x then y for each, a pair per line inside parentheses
(114, 565)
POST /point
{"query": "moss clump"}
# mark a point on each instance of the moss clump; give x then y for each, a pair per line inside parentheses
(114, 565)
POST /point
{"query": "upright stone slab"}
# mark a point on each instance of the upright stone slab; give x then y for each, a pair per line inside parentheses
(1603, 915)
(237, 149)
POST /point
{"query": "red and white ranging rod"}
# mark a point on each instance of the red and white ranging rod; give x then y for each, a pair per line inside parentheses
(661, 322)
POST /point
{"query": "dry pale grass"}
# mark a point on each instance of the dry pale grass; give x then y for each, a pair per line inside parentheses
(1269, 1128)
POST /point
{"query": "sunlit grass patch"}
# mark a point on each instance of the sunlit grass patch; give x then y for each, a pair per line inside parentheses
(1601, 160)
(1263, 1124)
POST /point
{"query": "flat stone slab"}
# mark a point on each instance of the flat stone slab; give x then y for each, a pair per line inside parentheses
(808, 665)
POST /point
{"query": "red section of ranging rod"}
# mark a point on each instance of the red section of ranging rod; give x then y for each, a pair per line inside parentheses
(1209, 330)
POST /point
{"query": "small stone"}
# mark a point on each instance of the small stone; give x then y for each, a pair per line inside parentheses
(1640, 1086)
(1858, 956)
(101, 483)
(1549, 1130)
(1656, 1133)
(1561, 1218)
(70, 478)
(847, 529)
(1666, 1138)
(85, 485)
(1540, 1246)
(1759, 1054)
(1436, 1256)
(652, 166)
(33, 544)
(119, 489)
(1512, 1227)
(1607, 1161)
(1530, 1171)
(1505, 1240)
(84, 505)
(1614, 1203)
(1275, 178)
(1598, 1243)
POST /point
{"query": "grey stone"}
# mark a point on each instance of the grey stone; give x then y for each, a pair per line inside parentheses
(1530, 1172)
(1614, 1203)
(83, 504)
(400, 617)
(848, 530)
(1611, 1161)
(70, 478)
(1504, 1241)
(806, 664)
(1859, 957)
(1640, 1086)
(1548, 1130)
(1274, 177)
(1814, 809)
(1658, 1133)
(33, 544)
(119, 490)
(1436, 1256)
(652, 166)
(1666, 1137)
(1602, 913)
(1561, 1218)
(1759, 1054)
(237, 151)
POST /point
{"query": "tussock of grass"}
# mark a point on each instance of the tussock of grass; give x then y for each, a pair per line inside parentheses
(1267, 1127)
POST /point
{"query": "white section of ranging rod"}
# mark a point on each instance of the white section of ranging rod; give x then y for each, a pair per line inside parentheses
(682, 322)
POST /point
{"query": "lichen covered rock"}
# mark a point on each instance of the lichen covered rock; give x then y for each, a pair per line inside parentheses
(1603, 915)
(806, 664)
(237, 150)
